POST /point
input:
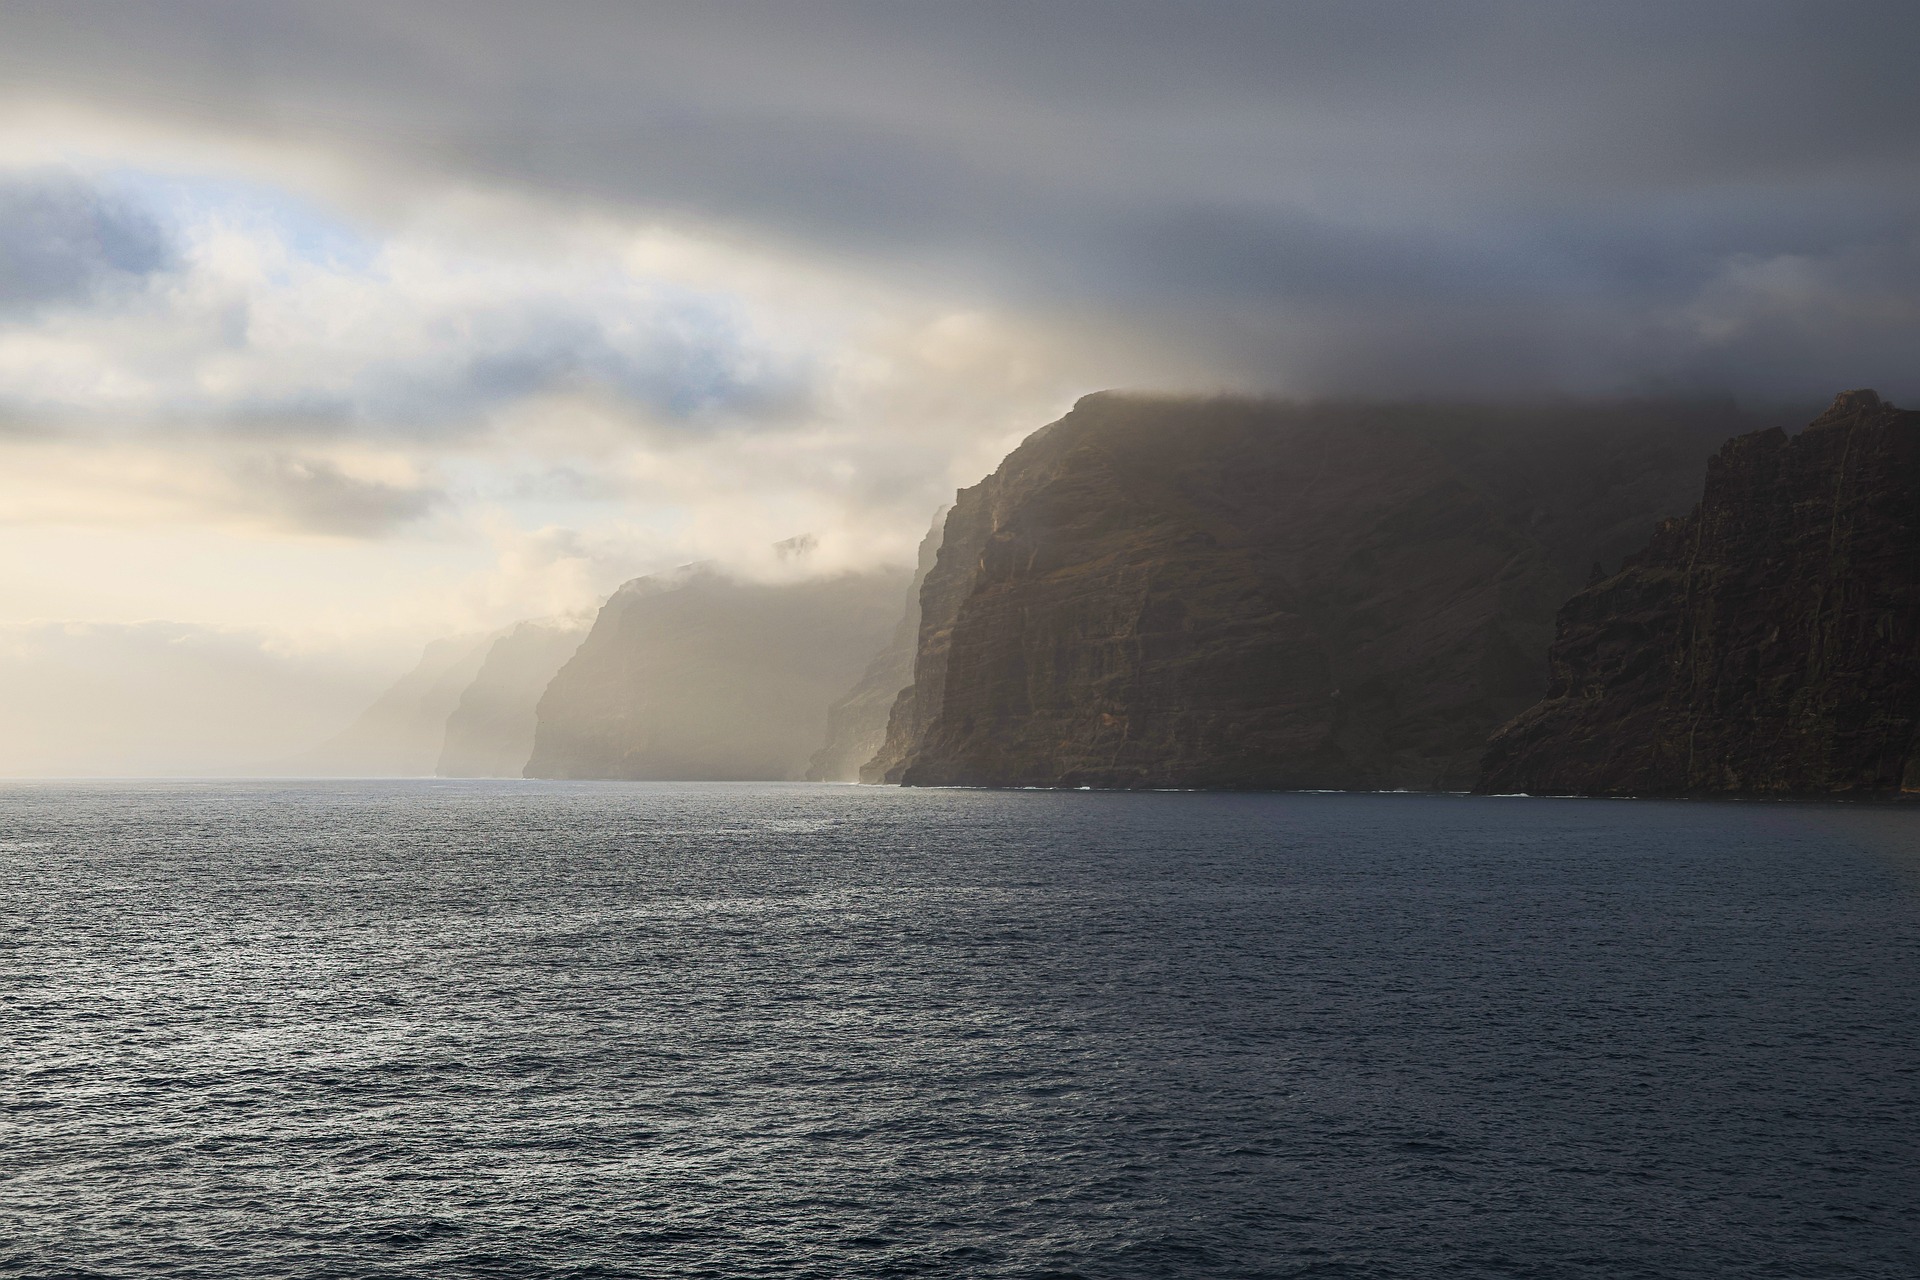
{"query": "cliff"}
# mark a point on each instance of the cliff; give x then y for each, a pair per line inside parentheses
(400, 733)
(857, 723)
(1766, 645)
(943, 593)
(489, 733)
(1233, 593)
(695, 675)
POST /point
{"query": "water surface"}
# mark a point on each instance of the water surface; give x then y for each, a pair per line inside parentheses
(503, 1029)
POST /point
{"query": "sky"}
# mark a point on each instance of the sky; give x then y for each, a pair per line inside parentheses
(330, 328)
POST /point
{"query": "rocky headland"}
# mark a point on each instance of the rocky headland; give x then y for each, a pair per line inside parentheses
(1767, 644)
(1231, 593)
(1158, 592)
(701, 676)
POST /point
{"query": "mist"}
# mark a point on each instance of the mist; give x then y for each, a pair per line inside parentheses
(166, 699)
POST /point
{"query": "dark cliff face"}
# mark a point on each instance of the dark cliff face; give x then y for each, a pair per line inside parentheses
(1767, 644)
(857, 723)
(1162, 593)
(697, 676)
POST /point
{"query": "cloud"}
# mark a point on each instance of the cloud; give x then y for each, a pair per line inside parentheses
(237, 311)
(314, 495)
(1368, 172)
(250, 490)
(290, 371)
(63, 241)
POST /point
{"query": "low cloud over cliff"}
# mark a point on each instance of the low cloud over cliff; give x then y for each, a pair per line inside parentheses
(1590, 195)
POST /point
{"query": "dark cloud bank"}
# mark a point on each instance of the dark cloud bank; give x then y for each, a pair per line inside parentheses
(1327, 197)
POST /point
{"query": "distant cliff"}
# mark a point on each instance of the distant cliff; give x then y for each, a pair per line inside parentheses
(400, 734)
(1175, 593)
(1767, 644)
(695, 675)
(857, 723)
(489, 733)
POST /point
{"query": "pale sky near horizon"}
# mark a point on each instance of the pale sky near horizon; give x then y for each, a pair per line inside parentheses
(326, 328)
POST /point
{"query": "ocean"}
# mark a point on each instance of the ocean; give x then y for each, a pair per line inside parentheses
(452, 1029)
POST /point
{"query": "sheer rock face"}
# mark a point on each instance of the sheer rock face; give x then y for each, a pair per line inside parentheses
(1166, 593)
(857, 723)
(697, 676)
(942, 593)
(1767, 644)
(490, 733)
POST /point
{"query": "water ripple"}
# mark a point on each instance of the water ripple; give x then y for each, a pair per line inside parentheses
(535, 1030)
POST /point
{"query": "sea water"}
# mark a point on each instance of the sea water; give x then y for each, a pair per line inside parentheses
(458, 1029)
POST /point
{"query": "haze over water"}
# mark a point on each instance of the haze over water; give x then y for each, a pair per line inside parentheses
(479, 1029)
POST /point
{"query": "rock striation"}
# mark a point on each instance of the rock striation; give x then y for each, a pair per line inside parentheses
(1156, 592)
(1768, 644)
(696, 675)
(489, 733)
(857, 723)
